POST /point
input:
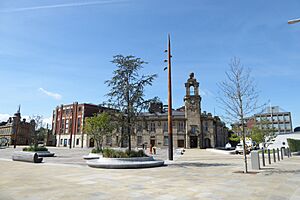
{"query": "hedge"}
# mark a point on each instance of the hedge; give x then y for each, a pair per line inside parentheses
(294, 145)
(35, 148)
(111, 153)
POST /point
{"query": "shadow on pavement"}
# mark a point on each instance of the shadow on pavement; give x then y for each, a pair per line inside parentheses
(197, 164)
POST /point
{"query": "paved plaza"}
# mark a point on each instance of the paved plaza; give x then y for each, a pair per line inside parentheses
(198, 174)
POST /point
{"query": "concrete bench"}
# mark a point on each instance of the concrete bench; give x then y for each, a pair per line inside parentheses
(26, 157)
(44, 154)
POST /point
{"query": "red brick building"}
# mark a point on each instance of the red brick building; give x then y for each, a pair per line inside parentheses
(67, 124)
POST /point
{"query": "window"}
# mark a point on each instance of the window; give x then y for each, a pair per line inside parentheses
(165, 127)
(193, 130)
(139, 127)
(77, 141)
(78, 125)
(192, 90)
(286, 118)
(79, 109)
(206, 126)
(281, 126)
(67, 124)
(280, 118)
(166, 140)
(180, 126)
(139, 139)
(63, 124)
(108, 140)
(152, 126)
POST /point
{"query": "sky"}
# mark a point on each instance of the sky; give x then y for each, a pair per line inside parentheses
(56, 52)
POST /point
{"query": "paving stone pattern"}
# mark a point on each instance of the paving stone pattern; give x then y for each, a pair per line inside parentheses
(198, 174)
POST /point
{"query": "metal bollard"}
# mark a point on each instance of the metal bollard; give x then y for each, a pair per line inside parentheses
(255, 160)
(288, 152)
(263, 157)
(278, 158)
(274, 156)
(281, 152)
(269, 156)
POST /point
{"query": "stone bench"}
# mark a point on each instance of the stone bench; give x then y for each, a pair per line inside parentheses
(26, 157)
(44, 154)
(125, 163)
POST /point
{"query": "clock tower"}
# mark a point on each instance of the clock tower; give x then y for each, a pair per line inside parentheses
(192, 102)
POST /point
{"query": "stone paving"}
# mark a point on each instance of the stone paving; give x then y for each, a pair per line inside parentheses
(198, 174)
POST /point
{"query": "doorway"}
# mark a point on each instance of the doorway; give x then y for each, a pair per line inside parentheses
(193, 141)
(180, 143)
(152, 142)
(92, 142)
(207, 143)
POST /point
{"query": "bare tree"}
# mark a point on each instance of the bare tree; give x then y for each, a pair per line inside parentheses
(38, 119)
(238, 97)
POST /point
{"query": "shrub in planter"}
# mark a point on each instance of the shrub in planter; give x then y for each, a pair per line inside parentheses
(35, 148)
(139, 153)
(111, 153)
(294, 144)
(96, 151)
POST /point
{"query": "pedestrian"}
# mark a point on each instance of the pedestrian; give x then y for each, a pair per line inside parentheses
(154, 149)
(150, 148)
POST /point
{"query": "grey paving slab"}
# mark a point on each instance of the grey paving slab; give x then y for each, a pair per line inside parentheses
(198, 174)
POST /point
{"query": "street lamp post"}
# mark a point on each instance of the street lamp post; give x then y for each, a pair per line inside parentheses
(170, 126)
(293, 21)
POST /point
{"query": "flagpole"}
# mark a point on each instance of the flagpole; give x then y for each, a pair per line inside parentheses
(170, 126)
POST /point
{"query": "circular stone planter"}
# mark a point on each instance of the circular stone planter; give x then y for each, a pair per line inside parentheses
(92, 156)
(125, 163)
(44, 154)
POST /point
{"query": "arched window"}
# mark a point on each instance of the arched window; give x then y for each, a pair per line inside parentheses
(192, 90)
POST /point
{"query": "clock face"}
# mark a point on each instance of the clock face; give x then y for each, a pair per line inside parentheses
(193, 101)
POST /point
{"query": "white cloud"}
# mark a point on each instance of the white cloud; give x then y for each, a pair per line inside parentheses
(206, 92)
(61, 6)
(4, 117)
(48, 121)
(51, 94)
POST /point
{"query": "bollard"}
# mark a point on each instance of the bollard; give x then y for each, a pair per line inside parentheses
(274, 156)
(269, 156)
(255, 160)
(281, 153)
(278, 158)
(263, 157)
(288, 152)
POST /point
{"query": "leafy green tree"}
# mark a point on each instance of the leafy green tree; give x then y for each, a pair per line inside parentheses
(98, 127)
(259, 133)
(127, 91)
(234, 139)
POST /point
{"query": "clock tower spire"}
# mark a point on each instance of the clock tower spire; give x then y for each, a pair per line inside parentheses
(192, 102)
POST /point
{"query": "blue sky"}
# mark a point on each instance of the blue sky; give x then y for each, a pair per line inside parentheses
(56, 52)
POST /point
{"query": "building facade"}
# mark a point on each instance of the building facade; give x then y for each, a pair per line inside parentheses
(16, 129)
(275, 118)
(272, 118)
(67, 124)
(191, 127)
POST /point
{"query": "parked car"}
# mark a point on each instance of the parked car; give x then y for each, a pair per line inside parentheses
(239, 149)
